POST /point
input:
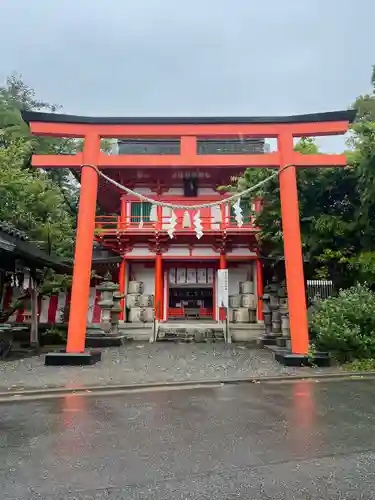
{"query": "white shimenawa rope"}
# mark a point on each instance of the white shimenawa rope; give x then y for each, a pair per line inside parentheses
(230, 199)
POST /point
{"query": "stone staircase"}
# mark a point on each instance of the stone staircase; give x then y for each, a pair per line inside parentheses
(191, 331)
(200, 331)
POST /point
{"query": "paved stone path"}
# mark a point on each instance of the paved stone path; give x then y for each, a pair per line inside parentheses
(138, 362)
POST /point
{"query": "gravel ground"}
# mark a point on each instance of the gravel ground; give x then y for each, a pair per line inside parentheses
(137, 363)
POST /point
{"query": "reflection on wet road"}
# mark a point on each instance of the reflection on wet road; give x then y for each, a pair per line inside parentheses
(296, 440)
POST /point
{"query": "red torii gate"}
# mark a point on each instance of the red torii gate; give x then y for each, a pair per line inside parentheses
(188, 130)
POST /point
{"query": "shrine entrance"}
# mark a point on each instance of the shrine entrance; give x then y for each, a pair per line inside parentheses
(191, 293)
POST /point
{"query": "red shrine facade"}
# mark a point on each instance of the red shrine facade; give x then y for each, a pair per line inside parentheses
(180, 272)
(183, 161)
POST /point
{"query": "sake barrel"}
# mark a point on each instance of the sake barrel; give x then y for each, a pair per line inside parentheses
(136, 315)
(241, 315)
(247, 287)
(248, 301)
(135, 287)
(252, 315)
(148, 314)
(234, 301)
(230, 315)
(146, 300)
(132, 300)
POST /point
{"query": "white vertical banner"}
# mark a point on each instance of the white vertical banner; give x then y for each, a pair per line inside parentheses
(222, 287)
(191, 276)
(166, 296)
(60, 312)
(202, 276)
(172, 276)
(43, 317)
(181, 276)
(91, 305)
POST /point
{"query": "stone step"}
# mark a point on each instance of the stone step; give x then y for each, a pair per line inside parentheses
(189, 338)
(105, 340)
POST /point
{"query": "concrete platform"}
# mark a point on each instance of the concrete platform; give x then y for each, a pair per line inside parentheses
(287, 358)
(136, 331)
(246, 332)
(240, 332)
(64, 358)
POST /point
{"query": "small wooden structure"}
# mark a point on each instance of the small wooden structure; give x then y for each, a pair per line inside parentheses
(23, 262)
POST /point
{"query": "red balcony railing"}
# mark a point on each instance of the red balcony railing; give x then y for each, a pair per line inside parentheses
(112, 224)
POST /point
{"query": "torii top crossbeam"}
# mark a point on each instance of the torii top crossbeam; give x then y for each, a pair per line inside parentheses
(189, 131)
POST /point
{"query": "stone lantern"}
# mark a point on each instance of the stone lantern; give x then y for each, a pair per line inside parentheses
(284, 340)
(107, 290)
(267, 313)
(115, 312)
(108, 333)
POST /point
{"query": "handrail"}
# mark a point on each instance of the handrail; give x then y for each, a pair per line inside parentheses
(109, 223)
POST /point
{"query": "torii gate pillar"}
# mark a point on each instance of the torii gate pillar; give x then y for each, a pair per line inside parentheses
(293, 248)
(84, 246)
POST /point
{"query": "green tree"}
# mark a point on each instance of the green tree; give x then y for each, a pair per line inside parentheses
(337, 205)
(16, 96)
(327, 203)
(32, 202)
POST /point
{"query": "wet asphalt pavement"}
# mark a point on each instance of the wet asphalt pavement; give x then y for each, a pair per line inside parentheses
(296, 440)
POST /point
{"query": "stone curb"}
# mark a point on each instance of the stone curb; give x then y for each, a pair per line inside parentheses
(20, 395)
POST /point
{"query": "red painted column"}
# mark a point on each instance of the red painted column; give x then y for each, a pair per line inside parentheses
(222, 265)
(84, 246)
(123, 213)
(214, 299)
(122, 281)
(223, 262)
(293, 248)
(162, 294)
(158, 285)
(259, 275)
(159, 216)
(224, 223)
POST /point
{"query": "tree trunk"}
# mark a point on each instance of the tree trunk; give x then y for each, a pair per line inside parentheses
(34, 336)
(2, 286)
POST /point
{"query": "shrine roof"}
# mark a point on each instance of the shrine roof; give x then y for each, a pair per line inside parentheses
(16, 242)
(330, 116)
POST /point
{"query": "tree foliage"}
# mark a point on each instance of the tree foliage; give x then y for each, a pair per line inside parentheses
(32, 202)
(337, 205)
(42, 203)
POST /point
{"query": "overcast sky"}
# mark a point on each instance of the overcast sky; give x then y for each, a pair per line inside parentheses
(190, 57)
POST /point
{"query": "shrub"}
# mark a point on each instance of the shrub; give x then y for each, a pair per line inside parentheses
(345, 325)
(53, 336)
(360, 365)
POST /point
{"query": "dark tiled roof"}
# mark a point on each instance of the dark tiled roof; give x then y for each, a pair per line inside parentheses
(12, 231)
(34, 116)
(16, 242)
